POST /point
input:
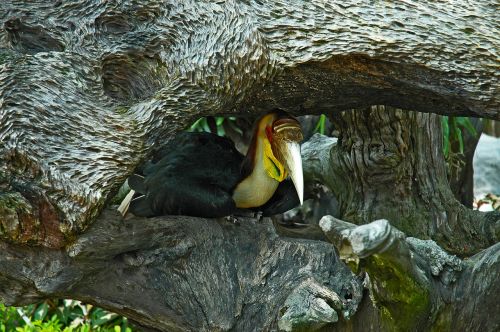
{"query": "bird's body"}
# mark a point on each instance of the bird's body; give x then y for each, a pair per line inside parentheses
(202, 174)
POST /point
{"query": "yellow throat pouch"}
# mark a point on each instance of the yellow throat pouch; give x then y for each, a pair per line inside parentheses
(273, 167)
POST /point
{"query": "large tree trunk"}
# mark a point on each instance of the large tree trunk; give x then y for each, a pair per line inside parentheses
(88, 89)
(389, 164)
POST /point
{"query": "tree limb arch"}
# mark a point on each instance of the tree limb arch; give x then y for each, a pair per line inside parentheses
(81, 108)
(399, 48)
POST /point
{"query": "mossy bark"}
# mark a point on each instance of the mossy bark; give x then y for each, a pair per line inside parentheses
(403, 302)
(414, 284)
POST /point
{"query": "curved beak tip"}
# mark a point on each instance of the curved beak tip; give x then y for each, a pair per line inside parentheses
(294, 168)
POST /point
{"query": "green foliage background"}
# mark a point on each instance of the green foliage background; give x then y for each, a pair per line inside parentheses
(60, 315)
(452, 131)
(202, 125)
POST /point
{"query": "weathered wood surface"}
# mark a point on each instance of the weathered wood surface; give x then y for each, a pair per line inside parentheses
(191, 274)
(417, 286)
(389, 163)
(88, 88)
(188, 274)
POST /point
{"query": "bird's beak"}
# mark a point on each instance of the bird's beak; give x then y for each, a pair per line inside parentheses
(293, 165)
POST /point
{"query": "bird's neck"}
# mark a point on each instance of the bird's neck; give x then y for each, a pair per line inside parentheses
(258, 187)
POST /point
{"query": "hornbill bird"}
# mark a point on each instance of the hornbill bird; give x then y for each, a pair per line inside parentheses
(203, 175)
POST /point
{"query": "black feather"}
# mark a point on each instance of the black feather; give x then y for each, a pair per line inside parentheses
(136, 182)
(285, 198)
(195, 174)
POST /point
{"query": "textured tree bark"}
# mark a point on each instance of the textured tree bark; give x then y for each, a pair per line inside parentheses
(389, 163)
(415, 284)
(191, 274)
(88, 89)
(492, 128)
(188, 274)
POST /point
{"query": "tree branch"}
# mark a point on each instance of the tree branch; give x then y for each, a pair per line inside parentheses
(373, 155)
(415, 284)
(85, 97)
(179, 273)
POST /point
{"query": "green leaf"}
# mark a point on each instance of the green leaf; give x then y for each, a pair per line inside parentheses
(41, 311)
(196, 125)
(85, 328)
(221, 131)
(100, 317)
(446, 135)
(320, 126)
(205, 125)
(457, 133)
(63, 314)
(465, 122)
(219, 120)
(460, 143)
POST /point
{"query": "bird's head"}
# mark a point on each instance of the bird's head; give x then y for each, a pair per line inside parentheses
(282, 135)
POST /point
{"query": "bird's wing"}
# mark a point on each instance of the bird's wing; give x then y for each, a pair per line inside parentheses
(190, 199)
(195, 176)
